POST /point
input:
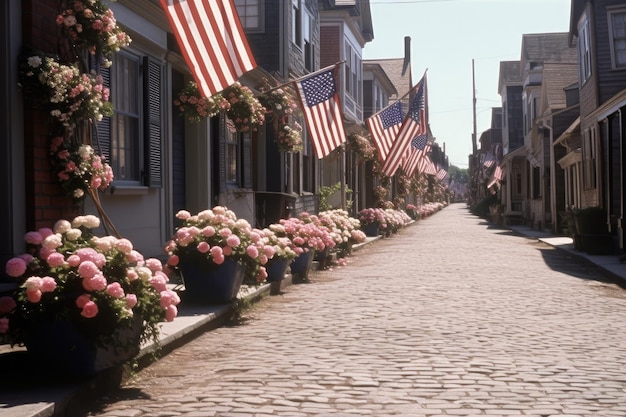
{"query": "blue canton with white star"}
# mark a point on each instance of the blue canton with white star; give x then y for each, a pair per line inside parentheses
(391, 116)
(319, 88)
(417, 104)
(419, 142)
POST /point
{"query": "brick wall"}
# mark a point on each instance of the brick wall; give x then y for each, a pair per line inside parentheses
(330, 42)
(45, 202)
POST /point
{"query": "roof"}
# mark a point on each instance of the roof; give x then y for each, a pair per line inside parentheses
(400, 77)
(547, 47)
(382, 77)
(556, 78)
(509, 73)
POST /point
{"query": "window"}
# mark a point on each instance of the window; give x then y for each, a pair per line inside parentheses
(352, 72)
(125, 95)
(307, 38)
(584, 52)
(250, 14)
(296, 23)
(131, 138)
(617, 32)
(236, 156)
(589, 159)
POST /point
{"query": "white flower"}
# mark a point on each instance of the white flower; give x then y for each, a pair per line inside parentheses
(73, 234)
(34, 61)
(62, 226)
(78, 193)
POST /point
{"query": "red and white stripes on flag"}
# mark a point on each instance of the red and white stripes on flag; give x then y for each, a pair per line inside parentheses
(322, 112)
(212, 41)
(384, 127)
(414, 124)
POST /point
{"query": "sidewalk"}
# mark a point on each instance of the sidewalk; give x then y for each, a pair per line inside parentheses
(609, 263)
(22, 400)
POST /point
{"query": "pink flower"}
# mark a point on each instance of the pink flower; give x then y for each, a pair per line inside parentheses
(171, 312)
(4, 325)
(33, 238)
(48, 284)
(218, 260)
(154, 264)
(98, 282)
(124, 245)
(159, 281)
(131, 300)
(90, 310)
(203, 247)
(115, 290)
(82, 300)
(16, 267)
(252, 251)
(173, 260)
(208, 231)
(232, 240)
(227, 251)
(88, 269)
(73, 260)
(168, 298)
(132, 275)
(217, 251)
(7, 304)
(225, 232)
(55, 259)
(33, 295)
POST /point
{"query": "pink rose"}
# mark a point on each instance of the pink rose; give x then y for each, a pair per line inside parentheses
(7, 304)
(115, 290)
(170, 312)
(82, 300)
(4, 325)
(90, 310)
(131, 300)
(203, 247)
(173, 260)
(252, 251)
(87, 269)
(55, 259)
(16, 267)
(48, 284)
(33, 295)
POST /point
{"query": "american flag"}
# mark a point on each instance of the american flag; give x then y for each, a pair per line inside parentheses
(212, 41)
(441, 174)
(413, 125)
(489, 159)
(419, 147)
(322, 111)
(427, 166)
(496, 177)
(384, 127)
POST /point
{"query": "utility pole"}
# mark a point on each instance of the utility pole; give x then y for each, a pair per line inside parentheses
(474, 145)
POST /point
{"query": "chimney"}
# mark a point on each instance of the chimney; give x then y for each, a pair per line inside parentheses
(407, 54)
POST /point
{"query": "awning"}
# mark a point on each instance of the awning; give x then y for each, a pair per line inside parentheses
(571, 158)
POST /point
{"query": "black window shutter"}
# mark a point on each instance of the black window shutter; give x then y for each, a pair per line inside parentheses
(102, 140)
(246, 166)
(153, 129)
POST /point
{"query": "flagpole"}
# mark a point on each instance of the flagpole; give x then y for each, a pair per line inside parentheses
(403, 97)
(311, 74)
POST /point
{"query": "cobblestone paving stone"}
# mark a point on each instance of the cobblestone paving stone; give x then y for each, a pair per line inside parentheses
(448, 318)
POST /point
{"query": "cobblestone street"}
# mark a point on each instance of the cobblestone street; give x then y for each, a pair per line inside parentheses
(450, 317)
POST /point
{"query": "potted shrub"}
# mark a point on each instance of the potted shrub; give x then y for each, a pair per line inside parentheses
(215, 253)
(84, 303)
(372, 219)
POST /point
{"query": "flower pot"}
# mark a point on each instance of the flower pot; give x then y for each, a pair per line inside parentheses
(323, 258)
(276, 269)
(301, 265)
(206, 282)
(370, 229)
(62, 350)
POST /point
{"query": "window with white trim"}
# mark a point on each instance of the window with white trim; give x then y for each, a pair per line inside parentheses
(251, 15)
(584, 51)
(296, 23)
(131, 139)
(617, 33)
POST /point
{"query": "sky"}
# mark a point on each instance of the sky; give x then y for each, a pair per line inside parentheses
(446, 35)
